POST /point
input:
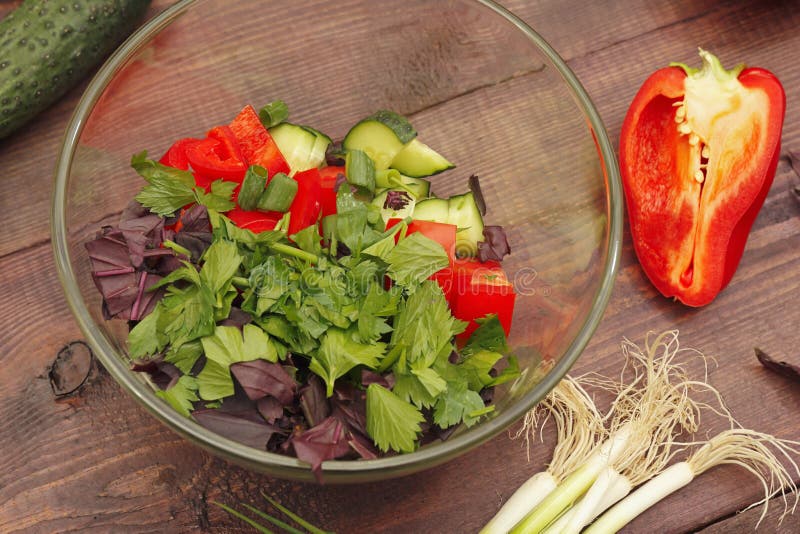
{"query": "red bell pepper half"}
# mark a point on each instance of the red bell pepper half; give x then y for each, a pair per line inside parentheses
(257, 145)
(698, 152)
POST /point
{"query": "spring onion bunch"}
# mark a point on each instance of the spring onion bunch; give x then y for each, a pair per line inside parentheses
(654, 402)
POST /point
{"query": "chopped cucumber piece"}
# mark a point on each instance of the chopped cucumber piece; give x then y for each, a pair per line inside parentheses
(382, 136)
(432, 209)
(464, 213)
(417, 159)
(303, 147)
(392, 179)
(459, 210)
(387, 212)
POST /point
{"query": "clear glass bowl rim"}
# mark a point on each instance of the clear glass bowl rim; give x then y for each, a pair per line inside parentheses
(284, 466)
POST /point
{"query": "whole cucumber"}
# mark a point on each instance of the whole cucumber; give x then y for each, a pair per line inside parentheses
(46, 47)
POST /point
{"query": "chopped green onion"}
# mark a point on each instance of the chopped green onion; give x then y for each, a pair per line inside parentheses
(252, 187)
(359, 169)
(176, 248)
(273, 113)
(279, 194)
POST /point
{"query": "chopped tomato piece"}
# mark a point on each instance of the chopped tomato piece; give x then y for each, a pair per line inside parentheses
(175, 156)
(217, 156)
(481, 288)
(328, 177)
(305, 208)
(255, 221)
(256, 143)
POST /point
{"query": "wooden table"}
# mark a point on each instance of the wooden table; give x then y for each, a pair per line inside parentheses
(98, 463)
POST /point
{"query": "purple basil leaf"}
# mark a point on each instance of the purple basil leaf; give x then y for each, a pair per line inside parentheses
(495, 247)
(195, 242)
(783, 368)
(163, 374)
(362, 446)
(133, 210)
(167, 375)
(270, 409)
(237, 317)
(141, 234)
(260, 378)
(371, 377)
(325, 441)
(477, 193)
(195, 219)
(237, 428)
(313, 402)
(396, 200)
(334, 156)
(349, 405)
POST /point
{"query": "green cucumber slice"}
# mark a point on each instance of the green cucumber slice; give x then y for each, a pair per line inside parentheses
(417, 159)
(392, 179)
(382, 136)
(465, 214)
(459, 210)
(432, 209)
(301, 146)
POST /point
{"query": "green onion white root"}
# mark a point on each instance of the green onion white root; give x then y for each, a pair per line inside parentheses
(654, 403)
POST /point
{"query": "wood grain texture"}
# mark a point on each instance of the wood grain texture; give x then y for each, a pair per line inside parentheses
(97, 462)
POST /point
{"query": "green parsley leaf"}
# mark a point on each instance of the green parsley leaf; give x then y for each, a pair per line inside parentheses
(221, 196)
(168, 189)
(420, 387)
(144, 339)
(188, 273)
(308, 240)
(375, 307)
(381, 248)
(456, 405)
(186, 314)
(354, 226)
(185, 356)
(425, 324)
(488, 336)
(221, 262)
(181, 395)
(338, 353)
(476, 368)
(214, 381)
(225, 346)
(392, 423)
(256, 345)
(415, 258)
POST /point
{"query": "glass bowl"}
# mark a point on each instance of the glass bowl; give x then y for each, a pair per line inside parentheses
(480, 86)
